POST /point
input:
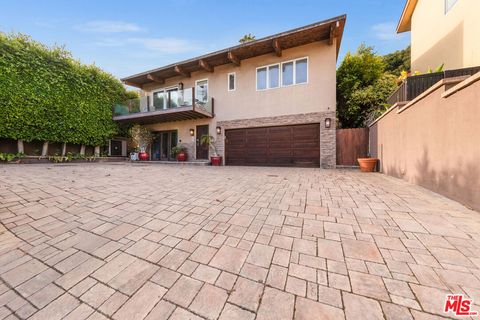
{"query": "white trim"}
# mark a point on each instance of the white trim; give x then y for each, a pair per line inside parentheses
(196, 83)
(280, 76)
(445, 6)
(234, 81)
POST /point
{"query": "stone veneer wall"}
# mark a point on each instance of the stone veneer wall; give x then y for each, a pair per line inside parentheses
(327, 136)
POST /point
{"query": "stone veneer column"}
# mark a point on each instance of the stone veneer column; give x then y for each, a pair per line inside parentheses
(328, 141)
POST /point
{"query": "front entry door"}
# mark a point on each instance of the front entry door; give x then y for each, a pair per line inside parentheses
(202, 149)
(163, 144)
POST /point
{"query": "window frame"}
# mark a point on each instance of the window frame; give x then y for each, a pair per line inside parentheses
(267, 77)
(280, 76)
(164, 90)
(294, 72)
(208, 88)
(447, 10)
(234, 81)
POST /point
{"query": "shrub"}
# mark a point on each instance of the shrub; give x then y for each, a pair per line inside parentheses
(47, 95)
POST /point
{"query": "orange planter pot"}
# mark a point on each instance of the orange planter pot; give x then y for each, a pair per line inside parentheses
(367, 164)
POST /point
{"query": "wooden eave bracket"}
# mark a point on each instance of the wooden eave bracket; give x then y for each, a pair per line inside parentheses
(156, 79)
(205, 65)
(233, 58)
(333, 32)
(182, 72)
(128, 83)
(277, 47)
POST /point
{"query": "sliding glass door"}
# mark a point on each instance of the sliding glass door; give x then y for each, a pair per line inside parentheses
(163, 143)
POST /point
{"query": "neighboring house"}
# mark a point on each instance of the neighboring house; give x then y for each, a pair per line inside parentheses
(430, 135)
(270, 101)
(442, 31)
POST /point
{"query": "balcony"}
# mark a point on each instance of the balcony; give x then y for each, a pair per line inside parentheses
(167, 106)
(414, 86)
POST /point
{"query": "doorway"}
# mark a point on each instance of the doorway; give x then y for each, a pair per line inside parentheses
(202, 148)
(162, 145)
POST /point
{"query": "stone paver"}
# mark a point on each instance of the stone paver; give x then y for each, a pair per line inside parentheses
(122, 241)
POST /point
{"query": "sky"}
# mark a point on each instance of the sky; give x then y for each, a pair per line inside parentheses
(128, 37)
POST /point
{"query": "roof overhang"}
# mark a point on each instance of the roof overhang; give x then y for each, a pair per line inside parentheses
(331, 30)
(405, 22)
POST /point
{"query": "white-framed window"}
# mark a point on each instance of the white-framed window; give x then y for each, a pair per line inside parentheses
(232, 81)
(166, 98)
(449, 5)
(201, 90)
(283, 74)
(268, 77)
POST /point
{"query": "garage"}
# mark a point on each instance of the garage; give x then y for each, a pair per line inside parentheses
(289, 146)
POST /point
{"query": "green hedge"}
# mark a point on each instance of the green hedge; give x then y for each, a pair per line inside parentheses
(47, 95)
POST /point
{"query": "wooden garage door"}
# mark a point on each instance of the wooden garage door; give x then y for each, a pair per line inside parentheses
(297, 145)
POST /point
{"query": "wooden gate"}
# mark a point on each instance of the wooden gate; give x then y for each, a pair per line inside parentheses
(351, 144)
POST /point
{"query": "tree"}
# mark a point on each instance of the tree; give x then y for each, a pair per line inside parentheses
(362, 87)
(397, 61)
(247, 38)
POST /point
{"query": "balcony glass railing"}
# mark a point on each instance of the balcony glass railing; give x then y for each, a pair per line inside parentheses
(164, 100)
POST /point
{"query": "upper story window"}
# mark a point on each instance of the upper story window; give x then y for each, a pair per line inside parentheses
(287, 73)
(201, 90)
(232, 81)
(449, 4)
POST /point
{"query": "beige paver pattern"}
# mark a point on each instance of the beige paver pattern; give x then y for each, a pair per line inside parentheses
(150, 241)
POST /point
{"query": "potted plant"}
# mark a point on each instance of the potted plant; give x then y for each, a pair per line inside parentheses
(367, 164)
(179, 152)
(215, 159)
(142, 138)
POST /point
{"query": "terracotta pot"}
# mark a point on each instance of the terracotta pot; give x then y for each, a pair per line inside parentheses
(367, 164)
(143, 156)
(216, 160)
(181, 156)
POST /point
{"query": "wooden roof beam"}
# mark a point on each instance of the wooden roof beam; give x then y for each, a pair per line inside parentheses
(205, 65)
(277, 47)
(129, 83)
(333, 32)
(233, 58)
(182, 72)
(156, 79)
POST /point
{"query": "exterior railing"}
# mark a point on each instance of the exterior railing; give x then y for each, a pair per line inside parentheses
(414, 86)
(179, 99)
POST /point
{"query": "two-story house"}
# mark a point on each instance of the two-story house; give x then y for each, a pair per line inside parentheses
(269, 101)
(442, 32)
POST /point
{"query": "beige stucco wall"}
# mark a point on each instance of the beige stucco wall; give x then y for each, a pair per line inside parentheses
(316, 96)
(434, 143)
(451, 38)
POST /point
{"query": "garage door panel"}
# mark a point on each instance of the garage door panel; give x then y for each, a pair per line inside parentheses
(296, 145)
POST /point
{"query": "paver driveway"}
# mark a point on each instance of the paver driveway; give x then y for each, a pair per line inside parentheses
(153, 241)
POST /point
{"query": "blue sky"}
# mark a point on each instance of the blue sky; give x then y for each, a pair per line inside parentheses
(127, 37)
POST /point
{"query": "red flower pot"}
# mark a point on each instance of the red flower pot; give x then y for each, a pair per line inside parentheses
(367, 164)
(216, 161)
(143, 156)
(181, 156)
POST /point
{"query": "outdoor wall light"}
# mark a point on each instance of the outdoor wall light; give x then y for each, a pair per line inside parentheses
(219, 130)
(180, 86)
(328, 123)
(192, 132)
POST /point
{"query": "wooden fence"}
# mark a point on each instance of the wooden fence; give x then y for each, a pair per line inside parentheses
(351, 144)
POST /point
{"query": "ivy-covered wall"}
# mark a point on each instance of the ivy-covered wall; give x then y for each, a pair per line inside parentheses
(47, 95)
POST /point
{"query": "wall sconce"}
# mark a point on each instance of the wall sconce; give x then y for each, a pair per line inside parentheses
(219, 130)
(192, 132)
(328, 123)
(180, 86)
